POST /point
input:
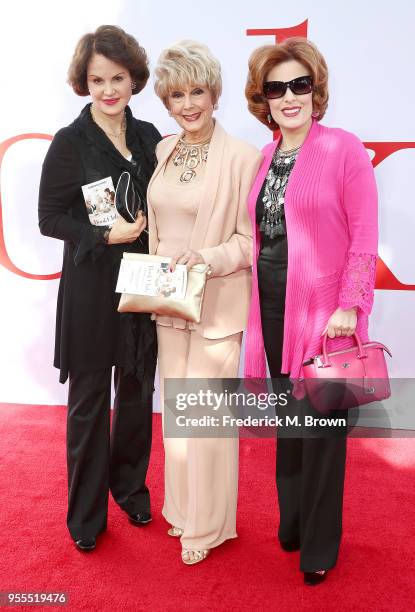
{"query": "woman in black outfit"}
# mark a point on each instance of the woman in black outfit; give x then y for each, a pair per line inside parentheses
(91, 336)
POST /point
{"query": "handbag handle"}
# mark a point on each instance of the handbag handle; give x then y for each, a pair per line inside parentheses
(361, 354)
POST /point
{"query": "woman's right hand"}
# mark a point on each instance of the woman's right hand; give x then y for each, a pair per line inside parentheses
(122, 231)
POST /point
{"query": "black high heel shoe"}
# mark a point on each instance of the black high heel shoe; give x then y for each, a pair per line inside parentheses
(85, 544)
(314, 578)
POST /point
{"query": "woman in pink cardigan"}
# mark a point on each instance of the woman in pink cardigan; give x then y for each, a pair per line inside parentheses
(313, 207)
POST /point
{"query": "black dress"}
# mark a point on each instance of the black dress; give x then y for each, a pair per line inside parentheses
(91, 336)
(310, 468)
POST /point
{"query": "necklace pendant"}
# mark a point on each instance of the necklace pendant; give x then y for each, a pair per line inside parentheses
(187, 176)
(178, 160)
(192, 162)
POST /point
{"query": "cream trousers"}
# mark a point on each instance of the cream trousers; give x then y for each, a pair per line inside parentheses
(201, 474)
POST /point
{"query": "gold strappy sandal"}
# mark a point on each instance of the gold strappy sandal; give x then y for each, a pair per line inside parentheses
(198, 556)
(175, 532)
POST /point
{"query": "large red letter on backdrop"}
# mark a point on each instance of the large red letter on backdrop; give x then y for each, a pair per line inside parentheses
(4, 257)
(281, 33)
(385, 278)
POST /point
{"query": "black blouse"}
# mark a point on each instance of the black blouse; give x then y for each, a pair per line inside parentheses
(270, 215)
(90, 333)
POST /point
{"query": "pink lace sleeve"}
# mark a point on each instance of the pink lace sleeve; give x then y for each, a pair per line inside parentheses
(358, 282)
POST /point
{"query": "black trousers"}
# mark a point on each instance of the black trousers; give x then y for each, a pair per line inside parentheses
(99, 460)
(310, 470)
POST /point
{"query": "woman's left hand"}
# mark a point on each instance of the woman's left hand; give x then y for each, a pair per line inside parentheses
(341, 323)
(189, 258)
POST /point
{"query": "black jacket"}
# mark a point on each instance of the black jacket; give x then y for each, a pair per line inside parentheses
(90, 333)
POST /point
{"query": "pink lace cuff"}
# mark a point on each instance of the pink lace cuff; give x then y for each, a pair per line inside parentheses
(358, 282)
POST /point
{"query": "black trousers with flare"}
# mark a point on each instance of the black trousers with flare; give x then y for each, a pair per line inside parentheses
(99, 460)
(310, 470)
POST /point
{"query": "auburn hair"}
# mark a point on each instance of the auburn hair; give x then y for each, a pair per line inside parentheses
(267, 57)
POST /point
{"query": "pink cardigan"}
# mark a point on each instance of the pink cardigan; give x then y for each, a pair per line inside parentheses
(332, 231)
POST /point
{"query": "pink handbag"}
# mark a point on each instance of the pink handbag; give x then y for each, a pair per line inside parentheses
(348, 378)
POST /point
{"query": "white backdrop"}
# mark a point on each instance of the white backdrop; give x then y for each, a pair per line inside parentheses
(369, 47)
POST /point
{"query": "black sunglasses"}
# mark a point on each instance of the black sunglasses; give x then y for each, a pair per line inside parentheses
(299, 86)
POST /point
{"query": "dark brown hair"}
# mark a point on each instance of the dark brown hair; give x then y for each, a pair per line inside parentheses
(265, 58)
(114, 44)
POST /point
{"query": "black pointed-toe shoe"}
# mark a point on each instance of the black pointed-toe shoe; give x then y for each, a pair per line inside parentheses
(314, 578)
(86, 544)
(140, 519)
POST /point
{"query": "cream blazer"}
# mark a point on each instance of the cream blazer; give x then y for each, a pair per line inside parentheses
(221, 233)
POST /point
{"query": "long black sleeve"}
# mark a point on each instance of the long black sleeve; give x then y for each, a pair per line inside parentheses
(60, 186)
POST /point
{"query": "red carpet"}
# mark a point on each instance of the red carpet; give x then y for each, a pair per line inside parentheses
(140, 568)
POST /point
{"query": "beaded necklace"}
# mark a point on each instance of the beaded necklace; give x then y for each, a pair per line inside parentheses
(274, 193)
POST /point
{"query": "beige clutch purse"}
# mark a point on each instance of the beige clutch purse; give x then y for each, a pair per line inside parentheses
(165, 303)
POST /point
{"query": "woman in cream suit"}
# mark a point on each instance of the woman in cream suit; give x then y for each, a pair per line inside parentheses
(198, 214)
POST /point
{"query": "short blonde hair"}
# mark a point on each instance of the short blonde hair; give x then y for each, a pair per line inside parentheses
(265, 58)
(187, 63)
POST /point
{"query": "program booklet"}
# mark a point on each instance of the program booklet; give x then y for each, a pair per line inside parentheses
(152, 278)
(100, 202)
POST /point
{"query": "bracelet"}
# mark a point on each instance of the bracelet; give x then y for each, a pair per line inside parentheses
(106, 234)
